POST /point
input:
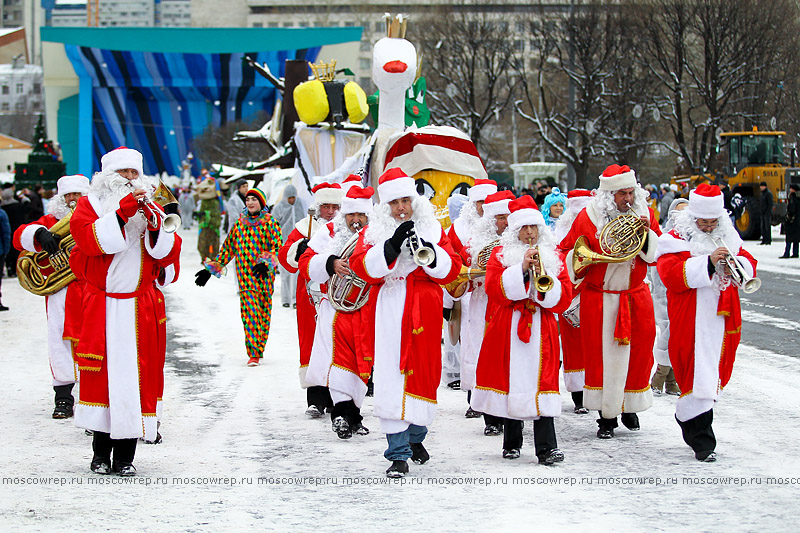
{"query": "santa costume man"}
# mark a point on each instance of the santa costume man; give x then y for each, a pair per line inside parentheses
(343, 351)
(408, 313)
(517, 374)
(327, 200)
(702, 298)
(618, 333)
(122, 343)
(64, 306)
(571, 344)
(486, 232)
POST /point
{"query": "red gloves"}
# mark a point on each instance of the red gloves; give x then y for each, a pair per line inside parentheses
(128, 207)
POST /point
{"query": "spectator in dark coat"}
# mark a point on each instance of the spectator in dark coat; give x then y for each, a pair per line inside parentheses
(17, 215)
(36, 209)
(5, 246)
(792, 224)
(766, 214)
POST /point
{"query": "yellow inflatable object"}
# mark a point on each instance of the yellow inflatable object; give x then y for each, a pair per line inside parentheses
(355, 100)
(440, 185)
(311, 102)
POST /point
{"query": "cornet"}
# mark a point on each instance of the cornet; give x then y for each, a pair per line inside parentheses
(542, 282)
(423, 255)
(152, 212)
(738, 275)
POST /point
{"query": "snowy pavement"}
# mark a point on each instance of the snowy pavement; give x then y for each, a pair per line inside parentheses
(238, 453)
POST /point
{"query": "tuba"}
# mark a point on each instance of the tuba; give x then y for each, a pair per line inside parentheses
(43, 274)
(459, 286)
(349, 293)
(620, 240)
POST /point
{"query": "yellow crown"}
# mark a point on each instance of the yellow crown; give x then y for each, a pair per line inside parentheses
(396, 26)
(324, 71)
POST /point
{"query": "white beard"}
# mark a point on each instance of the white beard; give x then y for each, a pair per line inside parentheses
(483, 233)
(58, 207)
(110, 188)
(342, 234)
(514, 250)
(469, 214)
(604, 201)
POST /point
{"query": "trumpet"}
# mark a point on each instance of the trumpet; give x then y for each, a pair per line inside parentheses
(738, 275)
(151, 208)
(542, 282)
(423, 255)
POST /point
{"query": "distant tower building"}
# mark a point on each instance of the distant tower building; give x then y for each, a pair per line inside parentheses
(21, 88)
(68, 13)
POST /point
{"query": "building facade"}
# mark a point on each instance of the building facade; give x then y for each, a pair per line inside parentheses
(21, 88)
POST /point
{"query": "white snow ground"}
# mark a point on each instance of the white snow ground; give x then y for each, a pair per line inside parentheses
(224, 422)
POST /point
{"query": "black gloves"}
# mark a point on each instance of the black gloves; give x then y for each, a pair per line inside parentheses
(202, 277)
(329, 265)
(391, 249)
(423, 242)
(301, 248)
(260, 270)
(48, 241)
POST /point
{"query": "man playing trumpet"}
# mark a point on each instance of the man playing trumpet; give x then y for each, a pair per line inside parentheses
(64, 306)
(122, 343)
(406, 257)
(704, 301)
(341, 358)
(517, 374)
(617, 322)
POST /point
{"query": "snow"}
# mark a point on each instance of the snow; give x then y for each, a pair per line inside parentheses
(225, 420)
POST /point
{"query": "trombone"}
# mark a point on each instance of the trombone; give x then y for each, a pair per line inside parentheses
(738, 275)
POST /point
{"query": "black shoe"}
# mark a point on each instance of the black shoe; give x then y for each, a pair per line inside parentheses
(342, 427)
(511, 454)
(472, 413)
(157, 440)
(3, 307)
(606, 429)
(360, 429)
(370, 390)
(286, 305)
(63, 410)
(397, 470)
(419, 454)
(706, 457)
(491, 430)
(101, 465)
(793, 257)
(630, 421)
(550, 457)
(315, 412)
(88, 432)
(124, 469)
(784, 257)
(455, 385)
(581, 410)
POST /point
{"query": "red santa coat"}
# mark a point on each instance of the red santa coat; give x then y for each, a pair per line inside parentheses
(710, 322)
(122, 343)
(618, 326)
(63, 309)
(408, 327)
(572, 346)
(344, 343)
(517, 375)
(306, 312)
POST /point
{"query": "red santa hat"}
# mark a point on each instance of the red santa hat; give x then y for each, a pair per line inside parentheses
(357, 200)
(481, 189)
(327, 193)
(706, 201)
(349, 181)
(617, 177)
(523, 213)
(122, 157)
(394, 184)
(577, 199)
(75, 183)
(497, 203)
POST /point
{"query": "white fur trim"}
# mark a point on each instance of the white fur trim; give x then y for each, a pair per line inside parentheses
(696, 272)
(356, 205)
(347, 383)
(551, 297)
(652, 247)
(397, 188)
(124, 402)
(443, 263)
(319, 364)
(375, 262)
(473, 327)
(499, 207)
(164, 244)
(706, 206)
(316, 269)
(62, 365)
(74, 183)
(574, 381)
(106, 229)
(28, 240)
(477, 193)
(328, 195)
(169, 276)
(625, 180)
(524, 217)
(513, 283)
(121, 158)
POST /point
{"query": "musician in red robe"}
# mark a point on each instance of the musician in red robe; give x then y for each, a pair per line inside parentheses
(122, 343)
(517, 374)
(408, 313)
(344, 344)
(618, 325)
(327, 200)
(703, 307)
(64, 306)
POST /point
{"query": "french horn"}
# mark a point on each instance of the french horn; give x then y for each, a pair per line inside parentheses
(620, 240)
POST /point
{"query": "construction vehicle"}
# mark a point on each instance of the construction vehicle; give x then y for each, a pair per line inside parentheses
(751, 157)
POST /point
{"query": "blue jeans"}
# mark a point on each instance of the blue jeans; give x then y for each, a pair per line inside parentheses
(400, 443)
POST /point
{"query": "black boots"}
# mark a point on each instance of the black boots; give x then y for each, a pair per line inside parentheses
(698, 434)
(123, 449)
(64, 401)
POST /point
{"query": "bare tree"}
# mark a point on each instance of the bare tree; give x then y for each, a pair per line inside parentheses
(215, 145)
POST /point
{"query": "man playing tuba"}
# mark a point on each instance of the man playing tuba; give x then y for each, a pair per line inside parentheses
(64, 305)
(618, 351)
(343, 350)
